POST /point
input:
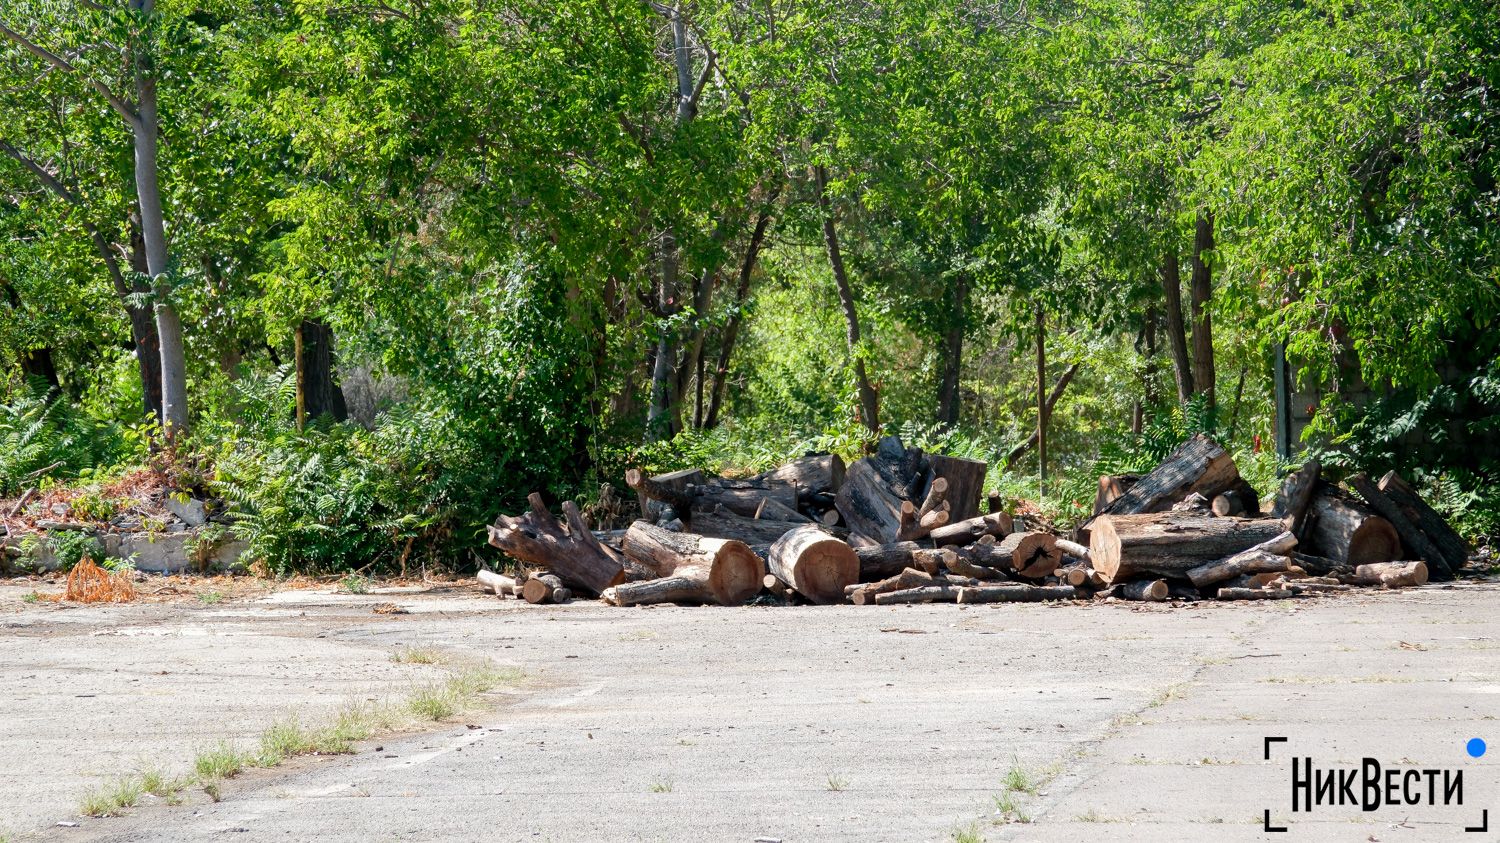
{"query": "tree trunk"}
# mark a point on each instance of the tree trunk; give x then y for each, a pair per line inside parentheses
(1198, 465)
(664, 368)
(1171, 285)
(1413, 540)
(1347, 532)
(1202, 292)
(321, 394)
(868, 401)
(949, 403)
(1391, 574)
(814, 474)
(759, 534)
(814, 563)
(1169, 543)
(1148, 377)
(37, 363)
(1453, 547)
(732, 327)
(1041, 402)
(875, 487)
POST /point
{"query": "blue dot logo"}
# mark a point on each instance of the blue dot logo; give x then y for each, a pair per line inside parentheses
(1475, 747)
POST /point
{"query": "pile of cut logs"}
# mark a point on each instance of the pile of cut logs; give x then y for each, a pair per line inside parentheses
(902, 526)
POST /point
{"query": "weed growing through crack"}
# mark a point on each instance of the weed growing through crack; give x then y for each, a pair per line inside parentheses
(837, 783)
(221, 761)
(113, 799)
(1092, 816)
(1018, 780)
(355, 584)
(417, 655)
(967, 834)
(661, 786)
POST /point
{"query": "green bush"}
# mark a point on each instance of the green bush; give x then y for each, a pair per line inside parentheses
(49, 439)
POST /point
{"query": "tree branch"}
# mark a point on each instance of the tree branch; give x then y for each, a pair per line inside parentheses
(125, 109)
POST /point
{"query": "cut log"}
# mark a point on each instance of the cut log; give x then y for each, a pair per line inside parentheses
(1320, 566)
(970, 531)
(727, 525)
(1169, 544)
(864, 594)
(1149, 591)
(497, 584)
(1391, 574)
(741, 499)
(1242, 499)
(814, 563)
(574, 555)
(662, 490)
(965, 481)
(917, 523)
(730, 572)
(1254, 594)
(1253, 580)
(810, 475)
(1193, 504)
(962, 565)
(1073, 549)
(1349, 532)
(886, 560)
(1453, 547)
(1031, 555)
(922, 594)
(771, 509)
(1016, 593)
(542, 588)
(831, 518)
(1412, 538)
(1198, 465)
(931, 560)
(1266, 556)
(774, 585)
(1295, 496)
(1112, 487)
(874, 487)
(994, 502)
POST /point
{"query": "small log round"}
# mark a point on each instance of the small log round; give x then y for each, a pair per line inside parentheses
(1391, 574)
(1032, 555)
(814, 563)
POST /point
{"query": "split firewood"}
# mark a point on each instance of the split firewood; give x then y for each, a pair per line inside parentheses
(815, 563)
(1453, 547)
(1412, 538)
(1349, 532)
(1198, 465)
(1391, 574)
(1032, 555)
(864, 594)
(970, 531)
(542, 588)
(689, 568)
(1015, 593)
(1267, 556)
(1073, 549)
(1295, 496)
(1254, 594)
(1168, 543)
(497, 584)
(1150, 591)
(921, 594)
(1112, 487)
(573, 554)
(965, 481)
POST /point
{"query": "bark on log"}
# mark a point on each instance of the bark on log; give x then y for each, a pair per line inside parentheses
(771, 509)
(727, 525)
(1453, 547)
(1193, 504)
(740, 499)
(1412, 537)
(543, 588)
(1148, 591)
(1349, 532)
(1265, 556)
(1320, 566)
(1073, 549)
(814, 563)
(863, 595)
(1112, 487)
(965, 480)
(964, 566)
(886, 560)
(731, 573)
(1242, 499)
(1295, 496)
(1391, 574)
(1198, 465)
(970, 531)
(1254, 594)
(1017, 593)
(810, 475)
(1032, 555)
(664, 489)
(1169, 543)
(922, 594)
(773, 584)
(496, 584)
(874, 487)
(537, 539)
(1263, 580)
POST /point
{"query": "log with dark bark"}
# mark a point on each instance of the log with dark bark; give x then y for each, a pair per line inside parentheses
(741, 498)
(1295, 496)
(1266, 556)
(1147, 591)
(865, 593)
(544, 588)
(962, 565)
(1030, 555)
(1169, 543)
(920, 594)
(886, 560)
(701, 570)
(874, 488)
(771, 509)
(1255, 594)
(916, 522)
(1262, 580)
(970, 531)
(1112, 487)
(965, 481)
(1391, 574)
(814, 563)
(573, 554)
(1198, 465)
(727, 525)
(1349, 532)
(1412, 537)
(1242, 499)
(1320, 566)
(1017, 593)
(1453, 547)
(663, 490)
(810, 475)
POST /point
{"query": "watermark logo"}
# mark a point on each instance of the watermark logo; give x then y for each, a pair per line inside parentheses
(1371, 786)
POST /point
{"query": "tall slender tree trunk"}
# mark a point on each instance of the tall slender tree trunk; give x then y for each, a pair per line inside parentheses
(1202, 292)
(321, 393)
(36, 363)
(692, 364)
(869, 402)
(1171, 285)
(1041, 401)
(145, 129)
(949, 403)
(1148, 397)
(142, 324)
(664, 367)
(732, 328)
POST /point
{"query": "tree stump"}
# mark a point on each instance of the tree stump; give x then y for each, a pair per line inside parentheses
(574, 554)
